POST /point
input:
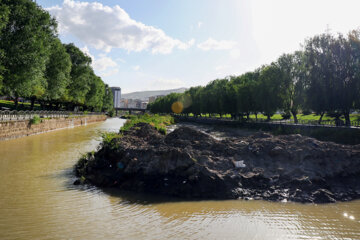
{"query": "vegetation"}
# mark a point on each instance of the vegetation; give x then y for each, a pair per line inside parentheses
(322, 78)
(37, 67)
(35, 120)
(157, 121)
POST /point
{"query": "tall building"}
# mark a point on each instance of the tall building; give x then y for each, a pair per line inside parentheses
(117, 96)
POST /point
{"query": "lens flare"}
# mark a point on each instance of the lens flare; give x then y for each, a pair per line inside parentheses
(177, 107)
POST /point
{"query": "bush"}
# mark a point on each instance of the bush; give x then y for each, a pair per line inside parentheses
(286, 115)
(107, 137)
(35, 120)
(111, 113)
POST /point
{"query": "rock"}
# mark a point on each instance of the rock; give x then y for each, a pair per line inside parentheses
(191, 164)
(277, 150)
(77, 182)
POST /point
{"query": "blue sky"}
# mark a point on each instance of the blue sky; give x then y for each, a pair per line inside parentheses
(162, 44)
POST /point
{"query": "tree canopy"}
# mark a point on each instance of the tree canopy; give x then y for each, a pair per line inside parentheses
(35, 65)
(324, 77)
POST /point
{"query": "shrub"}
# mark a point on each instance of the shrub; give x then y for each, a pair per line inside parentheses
(286, 115)
(111, 113)
(107, 137)
(35, 120)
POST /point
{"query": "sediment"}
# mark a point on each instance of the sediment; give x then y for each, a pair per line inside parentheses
(191, 164)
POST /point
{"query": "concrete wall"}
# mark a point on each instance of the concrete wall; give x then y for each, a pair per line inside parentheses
(22, 128)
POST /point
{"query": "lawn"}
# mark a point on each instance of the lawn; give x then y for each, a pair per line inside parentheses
(21, 106)
(301, 117)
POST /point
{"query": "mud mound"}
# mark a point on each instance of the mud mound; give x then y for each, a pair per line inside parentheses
(191, 164)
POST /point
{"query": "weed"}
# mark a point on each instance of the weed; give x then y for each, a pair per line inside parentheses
(35, 120)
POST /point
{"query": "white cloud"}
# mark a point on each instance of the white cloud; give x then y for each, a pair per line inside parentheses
(87, 52)
(200, 24)
(212, 44)
(105, 27)
(221, 68)
(103, 63)
(110, 72)
(136, 68)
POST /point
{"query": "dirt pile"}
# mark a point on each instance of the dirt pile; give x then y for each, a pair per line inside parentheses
(191, 164)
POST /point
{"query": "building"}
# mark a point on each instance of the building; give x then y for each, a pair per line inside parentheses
(124, 103)
(144, 105)
(116, 91)
(152, 99)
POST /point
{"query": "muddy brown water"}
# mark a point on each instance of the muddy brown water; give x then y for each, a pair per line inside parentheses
(38, 201)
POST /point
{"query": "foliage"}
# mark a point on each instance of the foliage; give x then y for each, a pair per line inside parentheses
(323, 77)
(57, 72)
(36, 66)
(157, 121)
(35, 120)
(108, 103)
(107, 138)
(25, 41)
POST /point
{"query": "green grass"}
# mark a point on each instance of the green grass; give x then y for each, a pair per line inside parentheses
(157, 121)
(21, 105)
(301, 117)
(310, 117)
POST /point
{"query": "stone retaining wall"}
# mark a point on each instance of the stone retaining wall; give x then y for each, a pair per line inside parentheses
(22, 128)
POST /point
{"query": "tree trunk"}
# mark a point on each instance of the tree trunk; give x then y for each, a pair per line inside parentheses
(16, 102)
(268, 118)
(347, 119)
(248, 116)
(295, 117)
(256, 116)
(321, 116)
(32, 103)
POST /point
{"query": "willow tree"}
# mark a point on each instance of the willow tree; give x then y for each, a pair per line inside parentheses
(25, 41)
(346, 60)
(293, 70)
(270, 92)
(333, 73)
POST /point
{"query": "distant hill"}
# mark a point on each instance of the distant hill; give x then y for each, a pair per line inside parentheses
(144, 95)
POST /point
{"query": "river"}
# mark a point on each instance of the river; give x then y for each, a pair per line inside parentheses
(39, 201)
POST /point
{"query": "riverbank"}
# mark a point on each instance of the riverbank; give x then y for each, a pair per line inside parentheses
(340, 135)
(190, 164)
(22, 128)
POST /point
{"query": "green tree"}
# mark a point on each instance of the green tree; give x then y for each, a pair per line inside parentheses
(270, 90)
(346, 59)
(79, 84)
(319, 79)
(4, 17)
(108, 102)
(25, 41)
(94, 98)
(246, 93)
(57, 73)
(292, 67)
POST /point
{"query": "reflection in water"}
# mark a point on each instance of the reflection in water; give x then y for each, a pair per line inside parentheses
(38, 201)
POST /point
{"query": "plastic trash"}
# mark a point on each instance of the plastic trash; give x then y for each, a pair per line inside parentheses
(239, 164)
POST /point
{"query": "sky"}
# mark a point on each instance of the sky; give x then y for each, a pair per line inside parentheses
(143, 45)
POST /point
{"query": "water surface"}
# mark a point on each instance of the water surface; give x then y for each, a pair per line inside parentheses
(38, 201)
